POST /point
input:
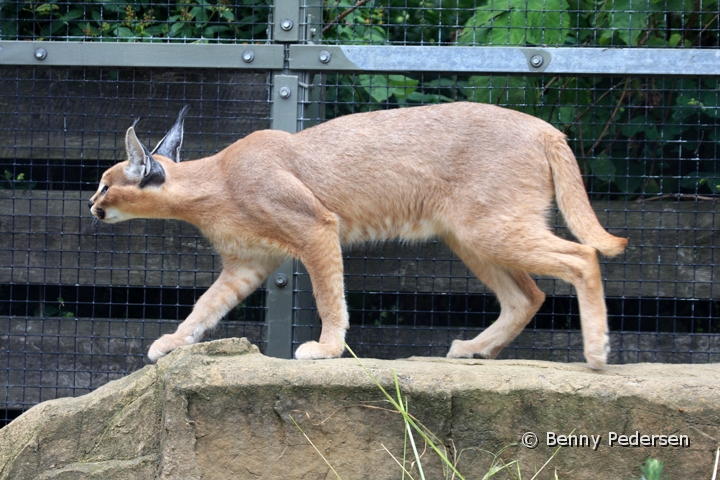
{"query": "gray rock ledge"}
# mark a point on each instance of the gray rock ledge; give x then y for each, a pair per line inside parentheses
(221, 410)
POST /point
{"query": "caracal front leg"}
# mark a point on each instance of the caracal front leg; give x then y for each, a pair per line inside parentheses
(323, 261)
(238, 279)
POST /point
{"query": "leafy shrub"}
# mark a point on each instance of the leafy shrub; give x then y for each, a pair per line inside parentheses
(138, 20)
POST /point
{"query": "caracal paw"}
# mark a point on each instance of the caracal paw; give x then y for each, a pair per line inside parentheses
(596, 362)
(314, 351)
(166, 344)
(468, 349)
(597, 357)
(461, 349)
(596, 353)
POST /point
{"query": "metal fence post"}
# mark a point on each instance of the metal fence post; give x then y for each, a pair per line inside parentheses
(279, 299)
(290, 97)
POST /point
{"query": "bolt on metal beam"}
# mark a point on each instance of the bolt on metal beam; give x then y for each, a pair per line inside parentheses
(143, 55)
(506, 60)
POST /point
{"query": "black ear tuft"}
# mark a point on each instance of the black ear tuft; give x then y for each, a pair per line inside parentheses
(156, 174)
(171, 143)
(142, 167)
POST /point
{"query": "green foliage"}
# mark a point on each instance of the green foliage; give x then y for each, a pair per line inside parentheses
(135, 20)
(51, 311)
(390, 317)
(8, 181)
(651, 469)
(656, 23)
(519, 22)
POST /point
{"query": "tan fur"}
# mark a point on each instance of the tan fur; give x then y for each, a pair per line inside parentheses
(481, 177)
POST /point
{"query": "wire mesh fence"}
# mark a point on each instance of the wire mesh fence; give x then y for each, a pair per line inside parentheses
(638, 23)
(79, 303)
(151, 21)
(618, 23)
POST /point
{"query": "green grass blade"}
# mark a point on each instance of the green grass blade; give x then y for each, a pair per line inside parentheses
(398, 462)
(316, 449)
(407, 418)
(548, 461)
(408, 432)
(415, 452)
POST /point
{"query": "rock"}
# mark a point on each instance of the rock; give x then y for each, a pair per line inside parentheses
(221, 410)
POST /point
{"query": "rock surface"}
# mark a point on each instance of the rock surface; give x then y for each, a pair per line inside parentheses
(220, 410)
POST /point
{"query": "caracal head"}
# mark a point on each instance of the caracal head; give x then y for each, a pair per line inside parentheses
(121, 193)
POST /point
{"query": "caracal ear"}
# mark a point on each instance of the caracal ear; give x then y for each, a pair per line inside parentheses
(171, 143)
(139, 162)
(143, 167)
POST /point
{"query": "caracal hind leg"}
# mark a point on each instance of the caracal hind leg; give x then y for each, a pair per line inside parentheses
(538, 251)
(519, 300)
(323, 260)
(238, 279)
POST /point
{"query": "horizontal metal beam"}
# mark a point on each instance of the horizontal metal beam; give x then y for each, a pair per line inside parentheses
(169, 55)
(377, 58)
(568, 60)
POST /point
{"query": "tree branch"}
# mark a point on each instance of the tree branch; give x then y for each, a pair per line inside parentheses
(344, 14)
